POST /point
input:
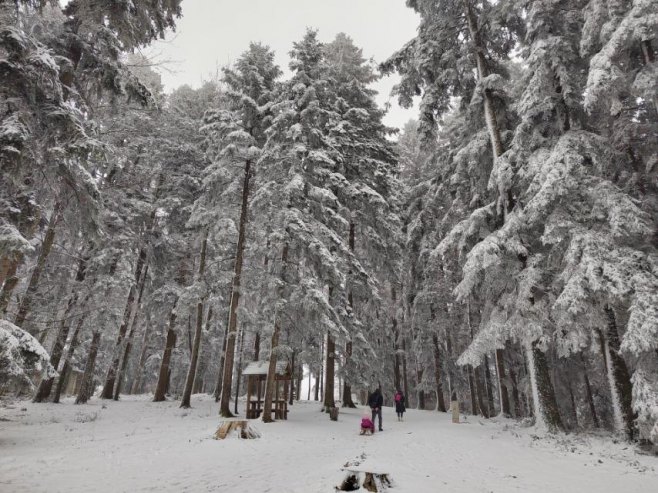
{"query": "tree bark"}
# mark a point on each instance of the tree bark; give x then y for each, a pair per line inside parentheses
(619, 378)
(33, 284)
(440, 402)
(239, 370)
(235, 297)
(220, 368)
(546, 408)
(471, 387)
(502, 387)
(129, 340)
(310, 382)
(67, 358)
(137, 381)
(481, 65)
(405, 380)
(480, 393)
(397, 377)
(329, 375)
(574, 408)
(86, 387)
(170, 343)
(199, 381)
(46, 385)
(516, 398)
(194, 356)
(271, 370)
(347, 388)
(293, 377)
(321, 374)
(108, 388)
(300, 377)
(590, 400)
(421, 392)
(487, 380)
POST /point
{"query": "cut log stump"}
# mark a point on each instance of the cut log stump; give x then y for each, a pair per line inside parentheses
(370, 481)
(240, 428)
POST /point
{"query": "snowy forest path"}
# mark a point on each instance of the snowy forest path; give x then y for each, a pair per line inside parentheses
(138, 445)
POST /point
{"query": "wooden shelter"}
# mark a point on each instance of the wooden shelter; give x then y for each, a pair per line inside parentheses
(256, 373)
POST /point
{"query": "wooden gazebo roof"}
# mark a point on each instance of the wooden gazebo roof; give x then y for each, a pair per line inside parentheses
(259, 368)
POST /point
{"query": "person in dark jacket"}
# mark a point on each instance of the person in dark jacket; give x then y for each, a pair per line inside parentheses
(376, 401)
(400, 407)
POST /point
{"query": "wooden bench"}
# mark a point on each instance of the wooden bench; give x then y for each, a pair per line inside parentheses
(280, 408)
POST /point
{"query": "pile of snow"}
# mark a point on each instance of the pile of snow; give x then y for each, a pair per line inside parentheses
(23, 361)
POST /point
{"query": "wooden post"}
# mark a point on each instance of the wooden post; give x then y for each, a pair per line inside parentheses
(249, 390)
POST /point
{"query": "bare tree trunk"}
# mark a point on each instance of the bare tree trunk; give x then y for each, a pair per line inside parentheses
(318, 379)
(440, 402)
(86, 387)
(108, 388)
(292, 380)
(421, 392)
(137, 381)
(129, 340)
(479, 51)
(271, 371)
(45, 387)
(250, 381)
(546, 405)
(163, 377)
(405, 380)
(199, 384)
(321, 374)
(574, 408)
(220, 368)
(310, 381)
(619, 378)
(397, 378)
(329, 375)
(502, 387)
(590, 400)
(471, 387)
(300, 377)
(124, 360)
(33, 284)
(235, 297)
(347, 388)
(194, 355)
(516, 398)
(487, 379)
(239, 370)
(67, 358)
(480, 392)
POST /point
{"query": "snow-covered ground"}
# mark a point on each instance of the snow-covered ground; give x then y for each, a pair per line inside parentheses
(137, 445)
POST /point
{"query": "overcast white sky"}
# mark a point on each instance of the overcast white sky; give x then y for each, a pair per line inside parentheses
(213, 33)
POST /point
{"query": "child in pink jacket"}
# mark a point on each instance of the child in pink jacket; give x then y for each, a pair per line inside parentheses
(367, 426)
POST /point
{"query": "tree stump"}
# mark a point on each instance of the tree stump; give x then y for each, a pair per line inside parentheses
(333, 413)
(455, 411)
(376, 482)
(241, 428)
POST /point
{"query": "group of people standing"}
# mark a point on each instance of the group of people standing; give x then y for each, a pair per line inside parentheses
(375, 402)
